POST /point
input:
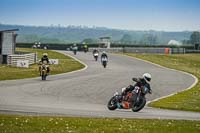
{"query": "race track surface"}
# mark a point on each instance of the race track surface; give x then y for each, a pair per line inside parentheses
(86, 93)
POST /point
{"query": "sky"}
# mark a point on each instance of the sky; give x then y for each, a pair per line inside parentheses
(162, 15)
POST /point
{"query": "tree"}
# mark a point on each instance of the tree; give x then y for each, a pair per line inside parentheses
(126, 38)
(149, 39)
(195, 39)
(88, 40)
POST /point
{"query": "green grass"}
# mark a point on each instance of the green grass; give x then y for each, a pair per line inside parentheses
(66, 64)
(188, 100)
(30, 124)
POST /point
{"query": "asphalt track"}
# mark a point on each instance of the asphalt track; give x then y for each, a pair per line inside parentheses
(85, 93)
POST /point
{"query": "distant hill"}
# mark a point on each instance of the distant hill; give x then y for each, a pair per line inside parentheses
(58, 34)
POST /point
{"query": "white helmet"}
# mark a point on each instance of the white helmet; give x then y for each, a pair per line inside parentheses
(147, 77)
(104, 52)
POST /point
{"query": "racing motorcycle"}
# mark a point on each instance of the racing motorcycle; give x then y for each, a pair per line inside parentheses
(43, 71)
(104, 61)
(134, 100)
(74, 51)
(96, 55)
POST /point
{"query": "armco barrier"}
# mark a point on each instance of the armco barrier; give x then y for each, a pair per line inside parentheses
(111, 50)
(151, 50)
(12, 59)
(145, 50)
(192, 51)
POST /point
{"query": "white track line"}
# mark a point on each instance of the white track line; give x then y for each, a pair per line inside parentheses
(86, 66)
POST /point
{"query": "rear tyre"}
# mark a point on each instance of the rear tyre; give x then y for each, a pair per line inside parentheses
(112, 104)
(140, 105)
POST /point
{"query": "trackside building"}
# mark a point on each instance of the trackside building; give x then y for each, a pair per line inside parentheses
(7, 44)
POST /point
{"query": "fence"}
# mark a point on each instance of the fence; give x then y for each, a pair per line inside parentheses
(143, 50)
(112, 50)
(192, 51)
(12, 59)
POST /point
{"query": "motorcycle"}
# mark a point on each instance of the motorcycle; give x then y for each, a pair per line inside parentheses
(85, 50)
(96, 55)
(104, 61)
(134, 100)
(74, 51)
(43, 71)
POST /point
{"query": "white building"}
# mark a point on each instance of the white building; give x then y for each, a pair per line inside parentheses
(105, 42)
(7, 44)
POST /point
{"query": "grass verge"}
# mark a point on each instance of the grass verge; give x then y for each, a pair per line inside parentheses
(30, 124)
(188, 100)
(66, 64)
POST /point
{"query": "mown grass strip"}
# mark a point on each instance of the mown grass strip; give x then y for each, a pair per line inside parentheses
(30, 124)
(188, 100)
(66, 64)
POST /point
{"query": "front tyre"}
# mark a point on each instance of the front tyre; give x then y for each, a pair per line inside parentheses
(104, 64)
(95, 58)
(43, 76)
(112, 104)
(140, 105)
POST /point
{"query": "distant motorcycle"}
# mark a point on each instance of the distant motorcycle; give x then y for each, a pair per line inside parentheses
(74, 51)
(134, 100)
(43, 71)
(96, 55)
(104, 61)
(85, 50)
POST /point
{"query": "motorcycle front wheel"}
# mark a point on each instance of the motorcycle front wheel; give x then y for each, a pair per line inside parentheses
(140, 105)
(104, 64)
(112, 104)
(43, 76)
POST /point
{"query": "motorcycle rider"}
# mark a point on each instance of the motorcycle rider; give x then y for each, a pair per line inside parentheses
(74, 48)
(104, 55)
(95, 51)
(45, 60)
(85, 47)
(95, 54)
(143, 83)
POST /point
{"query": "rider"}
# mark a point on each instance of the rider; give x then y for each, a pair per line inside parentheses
(143, 83)
(95, 51)
(74, 48)
(85, 48)
(140, 82)
(104, 55)
(45, 60)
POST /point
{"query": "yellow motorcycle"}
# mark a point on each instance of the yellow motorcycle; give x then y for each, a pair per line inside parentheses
(43, 68)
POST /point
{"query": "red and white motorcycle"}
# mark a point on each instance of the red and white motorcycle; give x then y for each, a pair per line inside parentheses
(134, 100)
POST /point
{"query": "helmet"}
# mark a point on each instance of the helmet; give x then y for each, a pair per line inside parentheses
(104, 52)
(45, 54)
(147, 77)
